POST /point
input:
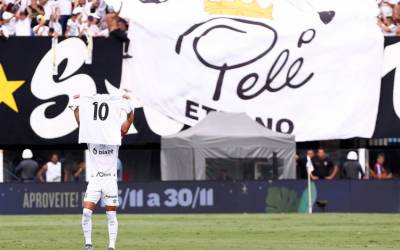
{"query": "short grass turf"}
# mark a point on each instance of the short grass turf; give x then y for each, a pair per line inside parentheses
(186, 232)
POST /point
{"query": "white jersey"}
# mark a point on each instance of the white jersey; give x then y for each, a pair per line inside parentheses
(102, 160)
(53, 173)
(101, 118)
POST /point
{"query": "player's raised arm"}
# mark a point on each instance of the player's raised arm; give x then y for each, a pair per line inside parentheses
(76, 113)
(129, 119)
(127, 123)
(75, 108)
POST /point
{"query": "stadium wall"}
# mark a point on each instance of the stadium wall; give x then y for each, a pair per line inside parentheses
(1, 166)
(210, 197)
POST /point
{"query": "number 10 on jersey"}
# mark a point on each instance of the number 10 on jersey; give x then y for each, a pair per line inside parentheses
(100, 111)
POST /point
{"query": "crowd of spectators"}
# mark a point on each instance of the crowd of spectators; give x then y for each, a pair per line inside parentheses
(324, 168)
(70, 18)
(389, 17)
(96, 19)
(69, 166)
(50, 167)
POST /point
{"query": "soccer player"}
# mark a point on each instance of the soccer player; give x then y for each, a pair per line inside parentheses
(103, 158)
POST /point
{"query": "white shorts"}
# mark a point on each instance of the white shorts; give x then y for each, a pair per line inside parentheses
(104, 189)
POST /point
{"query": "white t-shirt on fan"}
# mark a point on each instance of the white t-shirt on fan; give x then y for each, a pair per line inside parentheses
(53, 173)
(65, 7)
(73, 27)
(23, 27)
(41, 30)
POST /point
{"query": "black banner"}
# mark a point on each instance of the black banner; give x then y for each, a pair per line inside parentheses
(24, 60)
(209, 197)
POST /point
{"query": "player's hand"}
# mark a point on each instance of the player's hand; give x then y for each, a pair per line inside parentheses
(76, 96)
(124, 128)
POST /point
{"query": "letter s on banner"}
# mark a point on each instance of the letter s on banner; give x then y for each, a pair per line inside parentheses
(391, 62)
(44, 87)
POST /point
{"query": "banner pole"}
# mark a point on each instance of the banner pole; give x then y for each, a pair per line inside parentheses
(54, 42)
(89, 49)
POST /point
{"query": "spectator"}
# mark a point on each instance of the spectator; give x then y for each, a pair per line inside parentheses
(48, 8)
(72, 168)
(73, 23)
(41, 29)
(324, 169)
(15, 16)
(389, 17)
(302, 164)
(65, 7)
(52, 169)
(55, 24)
(352, 168)
(380, 172)
(91, 27)
(9, 22)
(81, 6)
(27, 167)
(396, 12)
(3, 30)
(71, 172)
(95, 7)
(388, 26)
(23, 23)
(118, 29)
(79, 3)
(79, 175)
(23, 4)
(35, 10)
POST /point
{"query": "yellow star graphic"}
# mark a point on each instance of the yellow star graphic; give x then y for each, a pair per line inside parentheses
(7, 88)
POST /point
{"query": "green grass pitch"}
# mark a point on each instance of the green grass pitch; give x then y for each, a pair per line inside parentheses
(216, 232)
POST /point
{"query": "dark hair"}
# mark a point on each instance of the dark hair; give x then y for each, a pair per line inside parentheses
(123, 21)
(54, 153)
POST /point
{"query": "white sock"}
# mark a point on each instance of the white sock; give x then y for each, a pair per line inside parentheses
(87, 225)
(112, 227)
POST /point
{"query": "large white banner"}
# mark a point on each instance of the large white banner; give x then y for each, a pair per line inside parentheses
(309, 68)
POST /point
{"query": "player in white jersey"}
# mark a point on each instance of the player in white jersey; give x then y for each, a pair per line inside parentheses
(103, 161)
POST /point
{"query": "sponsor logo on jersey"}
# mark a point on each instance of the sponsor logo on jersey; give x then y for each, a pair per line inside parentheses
(103, 151)
(102, 174)
(110, 196)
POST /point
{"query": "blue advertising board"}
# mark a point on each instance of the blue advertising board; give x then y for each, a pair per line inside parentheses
(209, 197)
